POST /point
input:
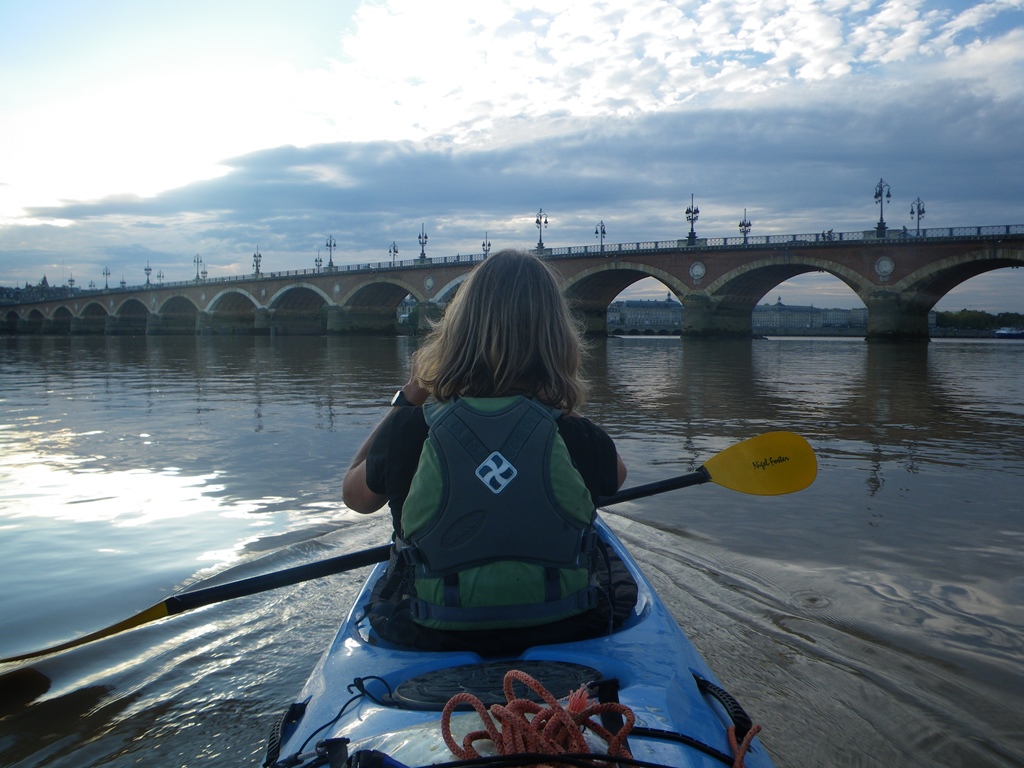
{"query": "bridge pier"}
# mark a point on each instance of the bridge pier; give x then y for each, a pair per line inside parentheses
(204, 323)
(427, 312)
(261, 325)
(891, 318)
(594, 317)
(334, 319)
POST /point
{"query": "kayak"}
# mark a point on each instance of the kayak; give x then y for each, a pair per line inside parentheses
(641, 694)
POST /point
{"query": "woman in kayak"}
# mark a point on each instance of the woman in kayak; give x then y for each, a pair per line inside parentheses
(493, 485)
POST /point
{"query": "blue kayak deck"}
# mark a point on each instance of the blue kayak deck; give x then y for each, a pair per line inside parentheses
(653, 661)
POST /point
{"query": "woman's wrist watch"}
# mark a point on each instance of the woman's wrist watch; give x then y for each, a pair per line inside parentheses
(400, 400)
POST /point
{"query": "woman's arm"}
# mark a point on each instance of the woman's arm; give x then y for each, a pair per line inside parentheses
(620, 468)
(354, 491)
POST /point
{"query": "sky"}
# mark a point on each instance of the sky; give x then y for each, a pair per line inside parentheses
(135, 134)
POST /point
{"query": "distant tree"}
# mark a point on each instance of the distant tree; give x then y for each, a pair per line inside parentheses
(975, 320)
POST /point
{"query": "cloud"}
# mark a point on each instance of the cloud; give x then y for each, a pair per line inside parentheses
(607, 110)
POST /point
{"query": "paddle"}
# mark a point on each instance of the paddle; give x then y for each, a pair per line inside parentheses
(197, 598)
(767, 465)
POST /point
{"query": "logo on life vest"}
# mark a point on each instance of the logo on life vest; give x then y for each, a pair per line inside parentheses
(496, 472)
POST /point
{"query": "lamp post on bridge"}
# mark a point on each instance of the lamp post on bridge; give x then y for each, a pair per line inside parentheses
(486, 245)
(745, 226)
(917, 212)
(197, 261)
(393, 252)
(422, 238)
(599, 231)
(318, 262)
(542, 222)
(331, 245)
(691, 216)
(160, 277)
(148, 270)
(106, 281)
(883, 194)
(257, 259)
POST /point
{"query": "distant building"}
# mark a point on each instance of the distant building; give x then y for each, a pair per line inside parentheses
(665, 317)
(769, 318)
(405, 309)
(40, 292)
(645, 317)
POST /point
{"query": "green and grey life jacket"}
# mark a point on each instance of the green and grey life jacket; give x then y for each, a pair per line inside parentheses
(498, 522)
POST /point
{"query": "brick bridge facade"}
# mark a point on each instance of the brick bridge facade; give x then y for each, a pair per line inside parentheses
(719, 282)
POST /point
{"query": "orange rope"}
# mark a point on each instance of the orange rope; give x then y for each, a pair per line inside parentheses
(739, 750)
(550, 730)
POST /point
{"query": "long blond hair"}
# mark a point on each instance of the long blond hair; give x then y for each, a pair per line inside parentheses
(508, 331)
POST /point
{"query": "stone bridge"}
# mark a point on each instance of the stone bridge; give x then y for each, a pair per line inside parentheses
(719, 282)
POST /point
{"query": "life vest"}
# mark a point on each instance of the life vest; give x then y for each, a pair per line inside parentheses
(498, 522)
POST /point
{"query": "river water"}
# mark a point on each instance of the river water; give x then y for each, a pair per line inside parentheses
(874, 619)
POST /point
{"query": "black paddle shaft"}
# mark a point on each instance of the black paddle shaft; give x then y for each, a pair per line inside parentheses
(659, 486)
(199, 597)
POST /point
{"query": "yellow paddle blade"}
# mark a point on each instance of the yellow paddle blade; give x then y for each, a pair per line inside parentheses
(158, 611)
(767, 465)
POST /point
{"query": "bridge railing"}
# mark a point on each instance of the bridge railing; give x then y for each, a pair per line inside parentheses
(753, 241)
(607, 249)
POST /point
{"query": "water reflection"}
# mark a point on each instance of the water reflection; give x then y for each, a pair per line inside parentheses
(888, 597)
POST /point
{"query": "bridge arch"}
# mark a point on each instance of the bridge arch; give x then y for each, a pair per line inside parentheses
(233, 312)
(447, 292)
(372, 307)
(34, 322)
(176, 315)
(12, 321)
(60, 321)
(298, 309)
(726, 305)
(932, 282)
(591, 290)
(130, 319)
(92, 319)
(281, 295)
(232, 300)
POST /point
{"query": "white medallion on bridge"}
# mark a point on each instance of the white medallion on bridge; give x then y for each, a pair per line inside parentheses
(336, 289)
(263, 293)
(429, 284)
(202, 297)
(884, 267)
(697, 271)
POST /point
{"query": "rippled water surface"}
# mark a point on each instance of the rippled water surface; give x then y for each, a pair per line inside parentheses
(875, 619)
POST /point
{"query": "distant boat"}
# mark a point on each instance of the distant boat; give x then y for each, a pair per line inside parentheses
(1010, 333)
